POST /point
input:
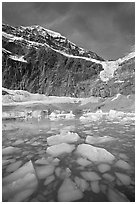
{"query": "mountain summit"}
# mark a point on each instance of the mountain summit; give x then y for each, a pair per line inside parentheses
(39, 60)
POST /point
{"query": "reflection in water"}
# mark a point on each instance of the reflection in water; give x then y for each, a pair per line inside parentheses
(68, 176)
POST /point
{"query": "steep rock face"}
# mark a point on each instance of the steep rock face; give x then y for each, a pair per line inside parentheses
(36, 66)
(38, 60)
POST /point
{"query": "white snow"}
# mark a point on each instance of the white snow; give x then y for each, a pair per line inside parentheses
(18, 58)
(116, 97)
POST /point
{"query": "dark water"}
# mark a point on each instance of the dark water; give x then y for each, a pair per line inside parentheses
(34, 136)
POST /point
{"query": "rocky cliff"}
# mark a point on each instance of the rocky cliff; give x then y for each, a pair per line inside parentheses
(42, 61)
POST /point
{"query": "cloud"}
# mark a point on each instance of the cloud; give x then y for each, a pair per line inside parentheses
(107, 28)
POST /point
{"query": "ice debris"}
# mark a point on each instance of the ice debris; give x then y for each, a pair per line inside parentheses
(81, 184)
(83, 162)
(21, 184)
(96, 140)
(44, 171)
(94, 154)
(103, 167)
(10, 150)
(95, 186)
(116, 196)
(59, 149)
(123, 165)
(90, 176)
(68, 137)
(125, 179)
(69, 192)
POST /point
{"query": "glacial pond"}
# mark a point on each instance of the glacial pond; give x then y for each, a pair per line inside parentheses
(34, 172)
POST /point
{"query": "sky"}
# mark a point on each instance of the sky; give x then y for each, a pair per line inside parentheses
(107, 28)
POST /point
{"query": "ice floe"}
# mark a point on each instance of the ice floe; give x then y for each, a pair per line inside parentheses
(10, 150)
(125, 179)
(116, 196)
(44, 171)
(68, 137)
(59, 149)
(83, 162)
(21, 184)
(108, 177)
(69, 192)
(123, 165)
(103, 167)
(14, 166)
(90, 176)
(95, 154)
(95, 186)
(81, 184)
(96, 140)
(49, 180)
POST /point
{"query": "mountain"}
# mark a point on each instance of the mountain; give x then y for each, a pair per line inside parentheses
(39, 60)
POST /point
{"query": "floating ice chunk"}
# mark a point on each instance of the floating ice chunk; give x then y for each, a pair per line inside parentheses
(69, 192)
(12, 189)
(14, 166)
(21, 196)
(115, 114)
(59, 149)
(63, 138)
(125, 179)
(96, 140)
(108, 177)
(5, 162)
(95, 154)
(81, 183)
(19, 173)
(103, 188)
(42, 161)
(95, 186)
(116, 196)
(44, 171)
(123, 156)
(83, 162)
(103, 167)
(58, 171)
(10, 150)
(90, 176)
(123, 165)
(49, 180)
(18, 142)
